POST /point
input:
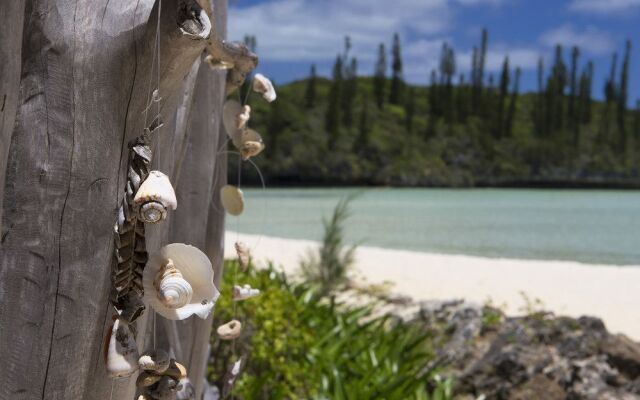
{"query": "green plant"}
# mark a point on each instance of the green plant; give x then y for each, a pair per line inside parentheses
(328, 267)
(301, 345)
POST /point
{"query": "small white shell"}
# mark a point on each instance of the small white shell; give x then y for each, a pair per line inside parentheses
(196, 270)
(243, 117)
(230, 378)
(122, 353)
(244, 255)
(176, 370)
(156, 361)
(230, 112)
(154, 197)
(262, 84)
(229, 331)
(232, 199)
(217, 64)
(244, 292)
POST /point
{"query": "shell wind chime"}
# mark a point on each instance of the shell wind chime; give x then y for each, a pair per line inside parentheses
(248, 142)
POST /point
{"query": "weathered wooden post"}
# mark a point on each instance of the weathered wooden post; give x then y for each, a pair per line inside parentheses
(74, 82)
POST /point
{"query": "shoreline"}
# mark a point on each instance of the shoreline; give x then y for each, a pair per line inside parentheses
(610, 292)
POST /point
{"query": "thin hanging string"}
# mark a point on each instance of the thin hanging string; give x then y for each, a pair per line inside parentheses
(158, 79)
(263, 217)
(113, 381)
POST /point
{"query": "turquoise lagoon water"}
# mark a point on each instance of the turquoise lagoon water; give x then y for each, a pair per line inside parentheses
(589, 226)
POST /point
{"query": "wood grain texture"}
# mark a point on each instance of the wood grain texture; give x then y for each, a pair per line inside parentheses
(83, 83)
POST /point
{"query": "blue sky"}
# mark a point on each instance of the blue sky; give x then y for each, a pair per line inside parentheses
(293, 34)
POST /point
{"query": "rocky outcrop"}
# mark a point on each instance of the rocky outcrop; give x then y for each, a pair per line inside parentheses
(539, 356)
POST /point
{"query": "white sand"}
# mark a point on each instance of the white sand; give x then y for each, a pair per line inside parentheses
(568, 288)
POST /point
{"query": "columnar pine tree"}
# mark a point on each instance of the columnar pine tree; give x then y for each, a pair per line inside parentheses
(623, 98)
(503, 92)
(610, 96)
(349, 92)
(512, 103)
(538, 114)
(573, 89)
(447, 72)
(310, 90)
(395, 93)
(380, 76)
(478, 67)
(332, 119)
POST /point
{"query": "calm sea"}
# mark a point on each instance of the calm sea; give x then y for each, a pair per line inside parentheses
(590, 226)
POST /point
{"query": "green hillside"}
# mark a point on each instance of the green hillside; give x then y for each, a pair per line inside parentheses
(382, 146)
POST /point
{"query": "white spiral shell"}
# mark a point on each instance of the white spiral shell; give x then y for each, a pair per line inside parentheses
(173, 290)
(122, 353)
(232, 199)
(262, 84)
(154, 197)
(165, 279)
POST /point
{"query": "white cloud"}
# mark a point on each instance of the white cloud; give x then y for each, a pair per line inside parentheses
(591, 39)
(311, 30)
(604, 6)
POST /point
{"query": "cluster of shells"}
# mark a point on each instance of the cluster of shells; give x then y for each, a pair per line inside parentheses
(162, 377)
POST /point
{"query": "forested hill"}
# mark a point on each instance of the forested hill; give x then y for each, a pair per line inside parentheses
(320, 132)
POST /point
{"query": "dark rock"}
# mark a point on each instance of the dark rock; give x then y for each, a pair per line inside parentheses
(539, 356)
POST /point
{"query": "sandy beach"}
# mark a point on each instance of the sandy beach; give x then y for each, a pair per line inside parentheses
(566, 288)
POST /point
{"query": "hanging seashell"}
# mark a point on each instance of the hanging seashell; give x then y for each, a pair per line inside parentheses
(243, 117)
(230, 378)
(172, 289)
(217, 64)
(244, 256)
(176, 370)
(165, 389)
(262, 84)
(230, 330)
(122, 352)
(154, 197)
(232, 199)
(251, 149)
(186, 391)
(146, 379)
(178, 282)
(230, 113)
(156, 361)
(244, 292)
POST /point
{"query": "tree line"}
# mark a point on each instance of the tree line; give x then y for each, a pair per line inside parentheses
(475, 124)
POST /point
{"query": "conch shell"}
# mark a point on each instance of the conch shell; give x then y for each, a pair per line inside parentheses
(154, 197)
(232, 199)
(156, 361)
(262, 84)
(122, 353)
(178, 282)
(229, 331)
(244, 292)
(244, 257)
